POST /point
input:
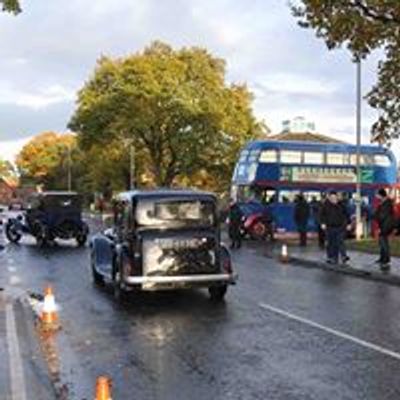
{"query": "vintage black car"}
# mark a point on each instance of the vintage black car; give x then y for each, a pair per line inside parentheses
(50, 215)
(163, 239)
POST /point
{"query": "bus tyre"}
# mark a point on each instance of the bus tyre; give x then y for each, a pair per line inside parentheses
(259, 231)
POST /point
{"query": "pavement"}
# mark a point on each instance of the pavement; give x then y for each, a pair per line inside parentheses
(361, 264)
(284, 333)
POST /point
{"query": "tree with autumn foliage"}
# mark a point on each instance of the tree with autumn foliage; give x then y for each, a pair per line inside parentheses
(363, 26)
(173, 106)
(12, 6)
(8, 171)
(44, 160)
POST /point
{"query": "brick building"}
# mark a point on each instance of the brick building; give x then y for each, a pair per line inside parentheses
(7, 192)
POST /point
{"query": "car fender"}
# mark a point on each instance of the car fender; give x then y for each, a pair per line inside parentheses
(102, 254)
(225, 259)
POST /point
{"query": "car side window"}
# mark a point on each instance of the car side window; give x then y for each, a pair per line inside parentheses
(122, 216)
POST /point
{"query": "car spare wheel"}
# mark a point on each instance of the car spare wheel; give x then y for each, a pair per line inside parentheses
(12, 234)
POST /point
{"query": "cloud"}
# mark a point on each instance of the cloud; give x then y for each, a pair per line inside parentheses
(49, 51)
(41, 99)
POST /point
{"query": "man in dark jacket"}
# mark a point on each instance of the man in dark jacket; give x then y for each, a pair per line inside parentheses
(316, 207)
(384, 215)
(235, 221)
(301, 216)
(334, 221)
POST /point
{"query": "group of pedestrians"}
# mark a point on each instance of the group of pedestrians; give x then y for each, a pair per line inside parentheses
(333, 219)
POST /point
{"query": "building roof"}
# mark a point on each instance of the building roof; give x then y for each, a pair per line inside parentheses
(303, 137)
(165, 192)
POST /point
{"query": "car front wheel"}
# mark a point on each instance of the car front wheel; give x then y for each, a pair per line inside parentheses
(97, 278)
(217, 293)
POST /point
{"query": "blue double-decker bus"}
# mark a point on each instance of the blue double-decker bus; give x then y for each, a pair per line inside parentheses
(269, 174)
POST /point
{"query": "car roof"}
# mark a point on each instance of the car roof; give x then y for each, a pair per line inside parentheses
(159, 193)
(56, 193)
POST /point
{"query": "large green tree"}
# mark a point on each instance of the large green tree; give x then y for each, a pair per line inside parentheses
(12, 6)
(363, 26)
(174, 106)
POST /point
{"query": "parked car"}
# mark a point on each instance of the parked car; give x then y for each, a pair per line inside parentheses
(50, 215)
(163, 239)
(16, 205)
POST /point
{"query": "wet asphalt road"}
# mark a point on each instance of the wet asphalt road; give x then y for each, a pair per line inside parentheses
(182, 346)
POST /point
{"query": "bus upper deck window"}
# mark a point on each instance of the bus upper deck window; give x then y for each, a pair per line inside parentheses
(335, 158)
(243, 155)
(291, 157)
(367, 159)
(254, 155)
(381, 160)
(313, 157)
(269, 156)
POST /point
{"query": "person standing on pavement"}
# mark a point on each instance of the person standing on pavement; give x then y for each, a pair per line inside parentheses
(316, 212)
(345, 203)
(333, 219)
(301, 216)
(235, 221)
(384, 215)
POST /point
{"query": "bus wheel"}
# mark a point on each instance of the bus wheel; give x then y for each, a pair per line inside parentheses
(259, 231)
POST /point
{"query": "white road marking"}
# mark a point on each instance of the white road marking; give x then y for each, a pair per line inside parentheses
(14, 280)
(18, 391)
(11, 269)
(334, 332)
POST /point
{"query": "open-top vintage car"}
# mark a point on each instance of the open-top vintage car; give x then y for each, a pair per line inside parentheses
(50, 215)
(163, 239)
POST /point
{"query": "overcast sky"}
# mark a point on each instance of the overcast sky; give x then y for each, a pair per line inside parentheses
(48, 51)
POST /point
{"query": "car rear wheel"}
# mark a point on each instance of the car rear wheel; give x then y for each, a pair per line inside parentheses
(41, 236)
(12, 234)
(120, 293)
(217, 293)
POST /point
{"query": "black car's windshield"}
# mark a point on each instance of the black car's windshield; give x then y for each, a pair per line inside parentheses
(172, 212)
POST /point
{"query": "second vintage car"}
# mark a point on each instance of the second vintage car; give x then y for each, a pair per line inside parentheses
(163, 239)
(50, 215)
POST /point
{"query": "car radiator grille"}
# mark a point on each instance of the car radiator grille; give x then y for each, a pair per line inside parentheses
(171, 257)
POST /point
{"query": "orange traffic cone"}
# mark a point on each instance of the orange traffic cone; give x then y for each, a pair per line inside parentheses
(103, 388)
(49, 312)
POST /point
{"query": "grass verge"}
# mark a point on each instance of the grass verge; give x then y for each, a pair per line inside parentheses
(371, 246)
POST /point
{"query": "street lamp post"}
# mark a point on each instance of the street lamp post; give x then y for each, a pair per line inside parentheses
(358, 161)
(132, 166)
(69, 169)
